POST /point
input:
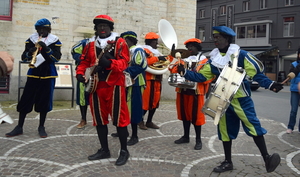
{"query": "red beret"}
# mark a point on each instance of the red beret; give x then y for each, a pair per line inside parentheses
(103, 19)
(192, 40)
(151, 35)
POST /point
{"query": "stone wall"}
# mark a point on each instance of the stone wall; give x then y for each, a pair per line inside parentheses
(72, 19)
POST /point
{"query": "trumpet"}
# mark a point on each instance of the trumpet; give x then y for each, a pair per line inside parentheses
(34, 54)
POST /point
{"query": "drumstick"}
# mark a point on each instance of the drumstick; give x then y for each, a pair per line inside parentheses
(178, 57)
(291, 75)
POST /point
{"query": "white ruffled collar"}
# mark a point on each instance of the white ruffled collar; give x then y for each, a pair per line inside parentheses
(154, 51)
(220, 61)
(195, 58)
(101, 43)
(50, 39)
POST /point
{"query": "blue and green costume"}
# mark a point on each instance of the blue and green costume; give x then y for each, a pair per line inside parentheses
(241, 107)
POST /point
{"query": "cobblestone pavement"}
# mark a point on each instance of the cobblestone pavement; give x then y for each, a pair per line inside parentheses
(64, 152)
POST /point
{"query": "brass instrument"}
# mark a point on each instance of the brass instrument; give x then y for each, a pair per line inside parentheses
(160, 65)
(168, 37)
(34, 54)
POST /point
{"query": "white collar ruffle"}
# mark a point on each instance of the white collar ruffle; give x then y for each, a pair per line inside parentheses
(101, 43)
(154, 51)
(50, 39)
(220, 61)
(195, 58)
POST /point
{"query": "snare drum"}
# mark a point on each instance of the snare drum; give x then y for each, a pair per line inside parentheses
(223, 92)
(176, 80)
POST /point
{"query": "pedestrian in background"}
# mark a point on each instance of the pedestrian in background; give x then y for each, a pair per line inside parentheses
(295, 95)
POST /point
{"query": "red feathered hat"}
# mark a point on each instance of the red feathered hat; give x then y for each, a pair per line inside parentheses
(103, 19)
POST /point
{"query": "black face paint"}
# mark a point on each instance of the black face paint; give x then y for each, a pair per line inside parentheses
(103, 30)
(220, 41)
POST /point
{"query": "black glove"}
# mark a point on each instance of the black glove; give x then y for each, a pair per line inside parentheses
(104, 60)
(31, 50)
(43, 45)
(80, 78)
(276, 87)
(181, 69)
(162, 58)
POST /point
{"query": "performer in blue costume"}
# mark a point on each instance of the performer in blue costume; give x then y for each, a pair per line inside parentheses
(39, 87)
(241, 108)
(82, 97)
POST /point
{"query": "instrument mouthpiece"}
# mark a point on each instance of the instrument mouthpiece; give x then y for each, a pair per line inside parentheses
(177, 55)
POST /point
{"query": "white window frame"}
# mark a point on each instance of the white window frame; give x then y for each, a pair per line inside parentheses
(201, 33)
(202, 13)
(223, 10)
(289, 2)
(263, 4)
(263, 39)
(246, 6)
(289, 29)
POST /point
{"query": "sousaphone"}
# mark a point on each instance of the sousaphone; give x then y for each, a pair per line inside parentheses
(168, 36)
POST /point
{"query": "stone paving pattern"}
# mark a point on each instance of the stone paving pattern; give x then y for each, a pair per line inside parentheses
(64, 152)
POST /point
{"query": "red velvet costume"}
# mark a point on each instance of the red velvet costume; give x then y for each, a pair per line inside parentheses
(110, 97)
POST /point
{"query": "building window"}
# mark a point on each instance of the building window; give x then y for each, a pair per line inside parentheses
(223, 10)
(246, 6)
(261, 30)
(252, 31)
(6, 10)
(288, 27)
(263, 4)
(241, 32)
(202, 34)
(289, 2)
(202, 13)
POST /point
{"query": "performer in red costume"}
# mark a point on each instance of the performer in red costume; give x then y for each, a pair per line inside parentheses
(109, 99)
(151, 95)
(189, 102)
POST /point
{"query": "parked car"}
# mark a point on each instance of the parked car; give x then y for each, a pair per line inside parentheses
(253, 84)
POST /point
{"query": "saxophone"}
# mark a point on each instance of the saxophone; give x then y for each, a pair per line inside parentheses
(34, 54)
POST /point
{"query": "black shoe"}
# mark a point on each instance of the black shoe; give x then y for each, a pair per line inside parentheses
(272, 161)
(198, 145)
(15, 132)
(100, 154)
(42, 132)
(123, 157)
(114, 135)
(225, 166)
(133, 141)
(182, 140)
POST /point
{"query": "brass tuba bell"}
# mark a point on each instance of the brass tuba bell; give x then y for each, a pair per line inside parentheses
(168, 37)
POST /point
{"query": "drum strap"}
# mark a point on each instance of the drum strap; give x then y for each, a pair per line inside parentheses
(222, 101)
